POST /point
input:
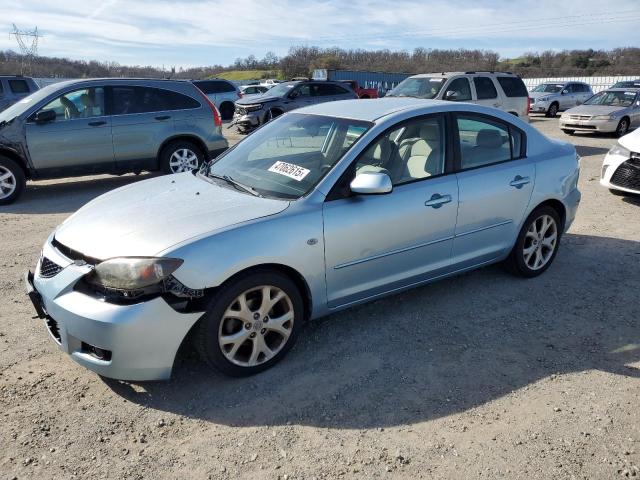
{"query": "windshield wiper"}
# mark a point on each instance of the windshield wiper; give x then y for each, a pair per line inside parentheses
(236, 184)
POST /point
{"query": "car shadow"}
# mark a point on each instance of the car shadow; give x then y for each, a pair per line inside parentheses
(432, 351)
(587, 150)
(66, 196)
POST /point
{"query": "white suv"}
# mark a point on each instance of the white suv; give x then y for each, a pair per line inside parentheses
(222, 93)
(504, 91)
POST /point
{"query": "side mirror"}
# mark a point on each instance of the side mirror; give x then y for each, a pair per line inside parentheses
(451, 95)
(371, 183)
(564, 92)
(45, 116)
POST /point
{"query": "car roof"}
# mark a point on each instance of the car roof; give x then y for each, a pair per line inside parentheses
(451, 74)
(372, 109)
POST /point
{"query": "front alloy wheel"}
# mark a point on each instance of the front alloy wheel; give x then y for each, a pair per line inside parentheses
(622, 128)
(256, 326)
(251, 323)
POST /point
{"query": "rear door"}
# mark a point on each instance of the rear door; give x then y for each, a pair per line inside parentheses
(495, 182)
(78, 140)
(486, 92)
(143, 118)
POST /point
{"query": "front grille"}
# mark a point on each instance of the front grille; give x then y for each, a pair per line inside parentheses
(580, 117)
(52, 326)
(571, 125)
(48, 268)
(627, 176)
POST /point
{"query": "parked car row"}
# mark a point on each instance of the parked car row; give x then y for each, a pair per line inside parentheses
(109, 125)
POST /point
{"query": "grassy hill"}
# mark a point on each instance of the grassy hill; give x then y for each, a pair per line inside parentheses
(249, 74)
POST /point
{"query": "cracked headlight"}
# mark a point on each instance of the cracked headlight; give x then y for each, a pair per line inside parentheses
(132, 273)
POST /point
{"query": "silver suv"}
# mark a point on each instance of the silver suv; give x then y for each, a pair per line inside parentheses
(504, 91)
(14, 88)
(551, 97)
(106, 126)
(251, 112)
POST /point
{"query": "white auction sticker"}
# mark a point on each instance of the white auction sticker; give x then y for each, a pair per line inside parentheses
(289, 170)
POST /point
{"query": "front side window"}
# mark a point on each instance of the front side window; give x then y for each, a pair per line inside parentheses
(418, 87)
(613, 98)
(130, 100)
(415, 150)
(484, 142)
(83, 103)
(461, 88)
(287, 157)
(485, 88)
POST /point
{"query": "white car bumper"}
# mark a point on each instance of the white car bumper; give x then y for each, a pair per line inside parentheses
(620, 172)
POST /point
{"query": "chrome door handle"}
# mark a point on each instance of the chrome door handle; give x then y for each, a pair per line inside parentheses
(519, 181)
(163, 117)
(97, 124)
(437, 200)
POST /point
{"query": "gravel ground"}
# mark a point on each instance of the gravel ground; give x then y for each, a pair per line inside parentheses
(479, 376)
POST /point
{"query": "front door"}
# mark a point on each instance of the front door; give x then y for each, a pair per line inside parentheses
(495, 180)
(78, 140)
(379, 243)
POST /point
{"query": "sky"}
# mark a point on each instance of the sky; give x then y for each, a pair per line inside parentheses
(206, 32)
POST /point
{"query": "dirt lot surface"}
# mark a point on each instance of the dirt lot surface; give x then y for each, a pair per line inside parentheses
(479, 376)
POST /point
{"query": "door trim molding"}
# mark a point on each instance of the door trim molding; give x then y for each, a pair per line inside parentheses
(483, 228)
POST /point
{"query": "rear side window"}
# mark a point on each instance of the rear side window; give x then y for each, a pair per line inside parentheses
(210, 87)
(127, 100)
(485, 88)
(18, 86)
(485, 142)
(330, 89)
(513, 86)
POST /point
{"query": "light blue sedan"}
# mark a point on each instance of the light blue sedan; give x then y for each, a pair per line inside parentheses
(318, 210)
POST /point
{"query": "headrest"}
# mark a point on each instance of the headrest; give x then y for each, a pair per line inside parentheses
(489, 138)
(430, 132)
(420, 149)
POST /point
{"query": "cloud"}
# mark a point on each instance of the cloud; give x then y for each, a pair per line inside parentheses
(218, 31)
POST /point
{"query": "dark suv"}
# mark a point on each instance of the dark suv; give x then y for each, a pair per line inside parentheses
(254, 111)
(14, 88)
(96, 126)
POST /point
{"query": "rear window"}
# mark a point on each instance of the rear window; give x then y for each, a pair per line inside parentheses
(513, 86)
(215, 86)
(18, 86)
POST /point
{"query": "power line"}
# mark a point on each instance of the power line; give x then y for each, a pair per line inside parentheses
(28, 50)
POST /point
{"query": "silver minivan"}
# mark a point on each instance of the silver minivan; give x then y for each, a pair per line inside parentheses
(504, 91)
(106, 126)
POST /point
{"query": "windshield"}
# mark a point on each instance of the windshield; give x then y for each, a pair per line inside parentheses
(287, 157)
(612, 99)
(549, 88)
(630, 84)
(24, 104)
(418, 87)
(281, 89)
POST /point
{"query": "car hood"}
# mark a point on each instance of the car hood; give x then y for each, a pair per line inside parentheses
(148, 217)
(631, 141)
(593, 110)
(252, 100)
(541, 94)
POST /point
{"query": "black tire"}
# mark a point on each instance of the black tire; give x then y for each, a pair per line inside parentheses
(15, 181)
(208, 330)
(177, 146)
(515, 262)
(272, 113)
(553, 110)
(622, 128)
(568, 132)
(227, 110)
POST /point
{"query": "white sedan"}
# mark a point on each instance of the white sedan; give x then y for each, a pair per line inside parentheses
(621, 166)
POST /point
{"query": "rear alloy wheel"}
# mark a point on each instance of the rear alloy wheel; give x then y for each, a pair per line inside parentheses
(553, 110)
(251, 324)
(622, 128)
(12, 181)
(537, 243)
(181, 156)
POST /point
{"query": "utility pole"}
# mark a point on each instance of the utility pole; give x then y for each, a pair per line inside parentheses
(28, 44)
